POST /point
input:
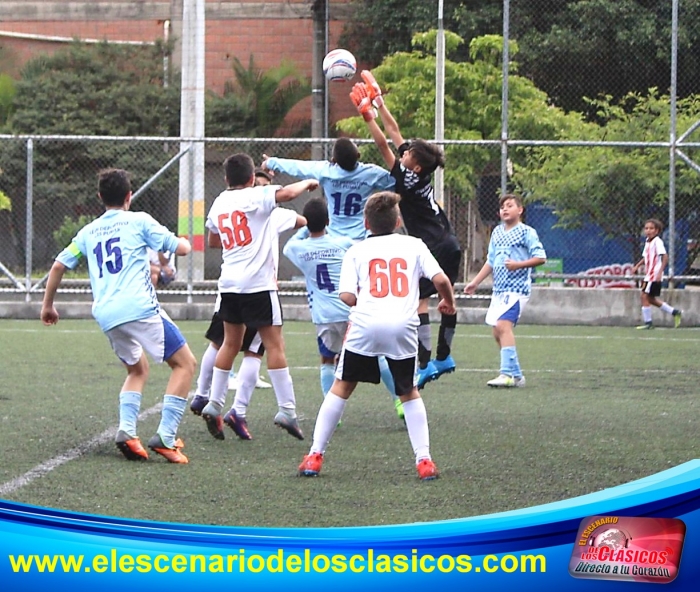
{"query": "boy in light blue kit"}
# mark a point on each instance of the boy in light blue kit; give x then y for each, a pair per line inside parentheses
(514, 250)
(347, 184)
(319, 256)
(126, 308)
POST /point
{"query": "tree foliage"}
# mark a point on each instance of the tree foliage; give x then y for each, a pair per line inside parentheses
(616, 187)
(257, 102)
(102, 89)
(472, 104)
(570, 49)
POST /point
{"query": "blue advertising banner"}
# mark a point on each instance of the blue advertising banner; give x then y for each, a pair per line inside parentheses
(585, 543)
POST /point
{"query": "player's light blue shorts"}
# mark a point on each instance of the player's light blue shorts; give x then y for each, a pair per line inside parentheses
(157, 335)
(330, 338)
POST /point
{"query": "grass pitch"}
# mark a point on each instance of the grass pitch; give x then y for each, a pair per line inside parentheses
(602, 406)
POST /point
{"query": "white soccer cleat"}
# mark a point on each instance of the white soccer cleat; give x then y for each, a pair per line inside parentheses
(262, 384)
(519, 381)
(502, 381)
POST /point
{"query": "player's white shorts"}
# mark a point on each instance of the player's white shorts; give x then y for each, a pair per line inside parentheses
(383, 337)
(507, 306)
(158, 335)
(330, 338)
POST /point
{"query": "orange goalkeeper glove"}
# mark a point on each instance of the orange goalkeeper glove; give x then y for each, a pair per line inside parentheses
(362, 102)
(373, 89)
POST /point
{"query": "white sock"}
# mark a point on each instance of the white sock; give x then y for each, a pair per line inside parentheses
(326, 421)
(206, 370)
(247, 378)
(417, 425)
(646, 314)
(284, 390)
(219, 386)
(666, 308)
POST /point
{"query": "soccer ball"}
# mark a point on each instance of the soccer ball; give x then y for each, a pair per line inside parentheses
(339, 65)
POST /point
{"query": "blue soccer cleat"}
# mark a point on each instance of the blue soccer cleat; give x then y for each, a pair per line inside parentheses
(425, 375)
(445, 366)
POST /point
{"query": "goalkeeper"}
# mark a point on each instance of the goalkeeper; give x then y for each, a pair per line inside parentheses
(422, 216)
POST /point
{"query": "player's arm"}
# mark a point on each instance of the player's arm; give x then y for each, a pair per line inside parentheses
(636, 267)
(512, 265)
(348, 298)
(183, 247)
(214, 240)
(484, 272)
(447, 304)
(375, 94)
(302, 169)
(664, 263)
(49, 314)
(361, 99)
(294, 190)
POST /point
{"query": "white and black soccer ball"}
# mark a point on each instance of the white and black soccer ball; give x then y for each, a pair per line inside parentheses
(339, 65)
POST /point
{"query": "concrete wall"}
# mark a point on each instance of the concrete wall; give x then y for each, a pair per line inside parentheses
(548, 306)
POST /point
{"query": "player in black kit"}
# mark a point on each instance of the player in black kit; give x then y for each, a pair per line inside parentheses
(422, 216)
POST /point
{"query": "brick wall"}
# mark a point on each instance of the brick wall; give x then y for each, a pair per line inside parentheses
(284, 29)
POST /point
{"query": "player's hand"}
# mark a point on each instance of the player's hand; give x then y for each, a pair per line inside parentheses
(373, 89)
(263, 164)
(49, 315)
(445, 308)
(470, 288)
(362, 102)
(311, 184)
(512, 265)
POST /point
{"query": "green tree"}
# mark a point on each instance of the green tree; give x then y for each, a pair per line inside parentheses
(616, 188)
(472, 105)
(570, 49)
(257, 102)
(102, 89)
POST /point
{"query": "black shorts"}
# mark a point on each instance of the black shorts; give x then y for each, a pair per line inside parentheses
(448, 254)
(653, 289)
(260, 309)
(215, 334)
(358, 368)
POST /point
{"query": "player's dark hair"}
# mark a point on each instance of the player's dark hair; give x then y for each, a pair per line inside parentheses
(381, 212)
(113, 185)
(516, 198)
(427, 155)
(345, 154)
(316, 213)
(259, 173)
(658, 224)
(238, 168)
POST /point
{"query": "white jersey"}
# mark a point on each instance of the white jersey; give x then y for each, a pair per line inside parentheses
(383, 273)
(242, 219)
(654, 250)
(281, 219)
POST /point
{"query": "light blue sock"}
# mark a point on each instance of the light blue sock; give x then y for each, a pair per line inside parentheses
(386, 377)
(327, 377)
(509, 362)
(173, 408)
(129, 406)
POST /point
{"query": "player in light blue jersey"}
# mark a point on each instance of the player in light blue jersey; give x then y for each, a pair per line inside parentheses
(319, 256)
(126, 308)
(346, 183)
(514, 250)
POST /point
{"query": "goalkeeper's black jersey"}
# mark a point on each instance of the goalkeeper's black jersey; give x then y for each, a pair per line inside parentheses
(421, 214)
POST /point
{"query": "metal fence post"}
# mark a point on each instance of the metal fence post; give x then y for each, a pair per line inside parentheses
(29, 233)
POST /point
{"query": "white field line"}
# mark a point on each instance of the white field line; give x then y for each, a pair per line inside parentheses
(51, 464)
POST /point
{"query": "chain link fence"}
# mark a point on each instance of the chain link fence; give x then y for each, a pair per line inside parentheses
(598, 131)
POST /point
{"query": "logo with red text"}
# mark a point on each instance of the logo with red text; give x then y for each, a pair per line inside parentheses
(628, 549)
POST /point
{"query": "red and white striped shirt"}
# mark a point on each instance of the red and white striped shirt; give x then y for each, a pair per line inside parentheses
(654, 250)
